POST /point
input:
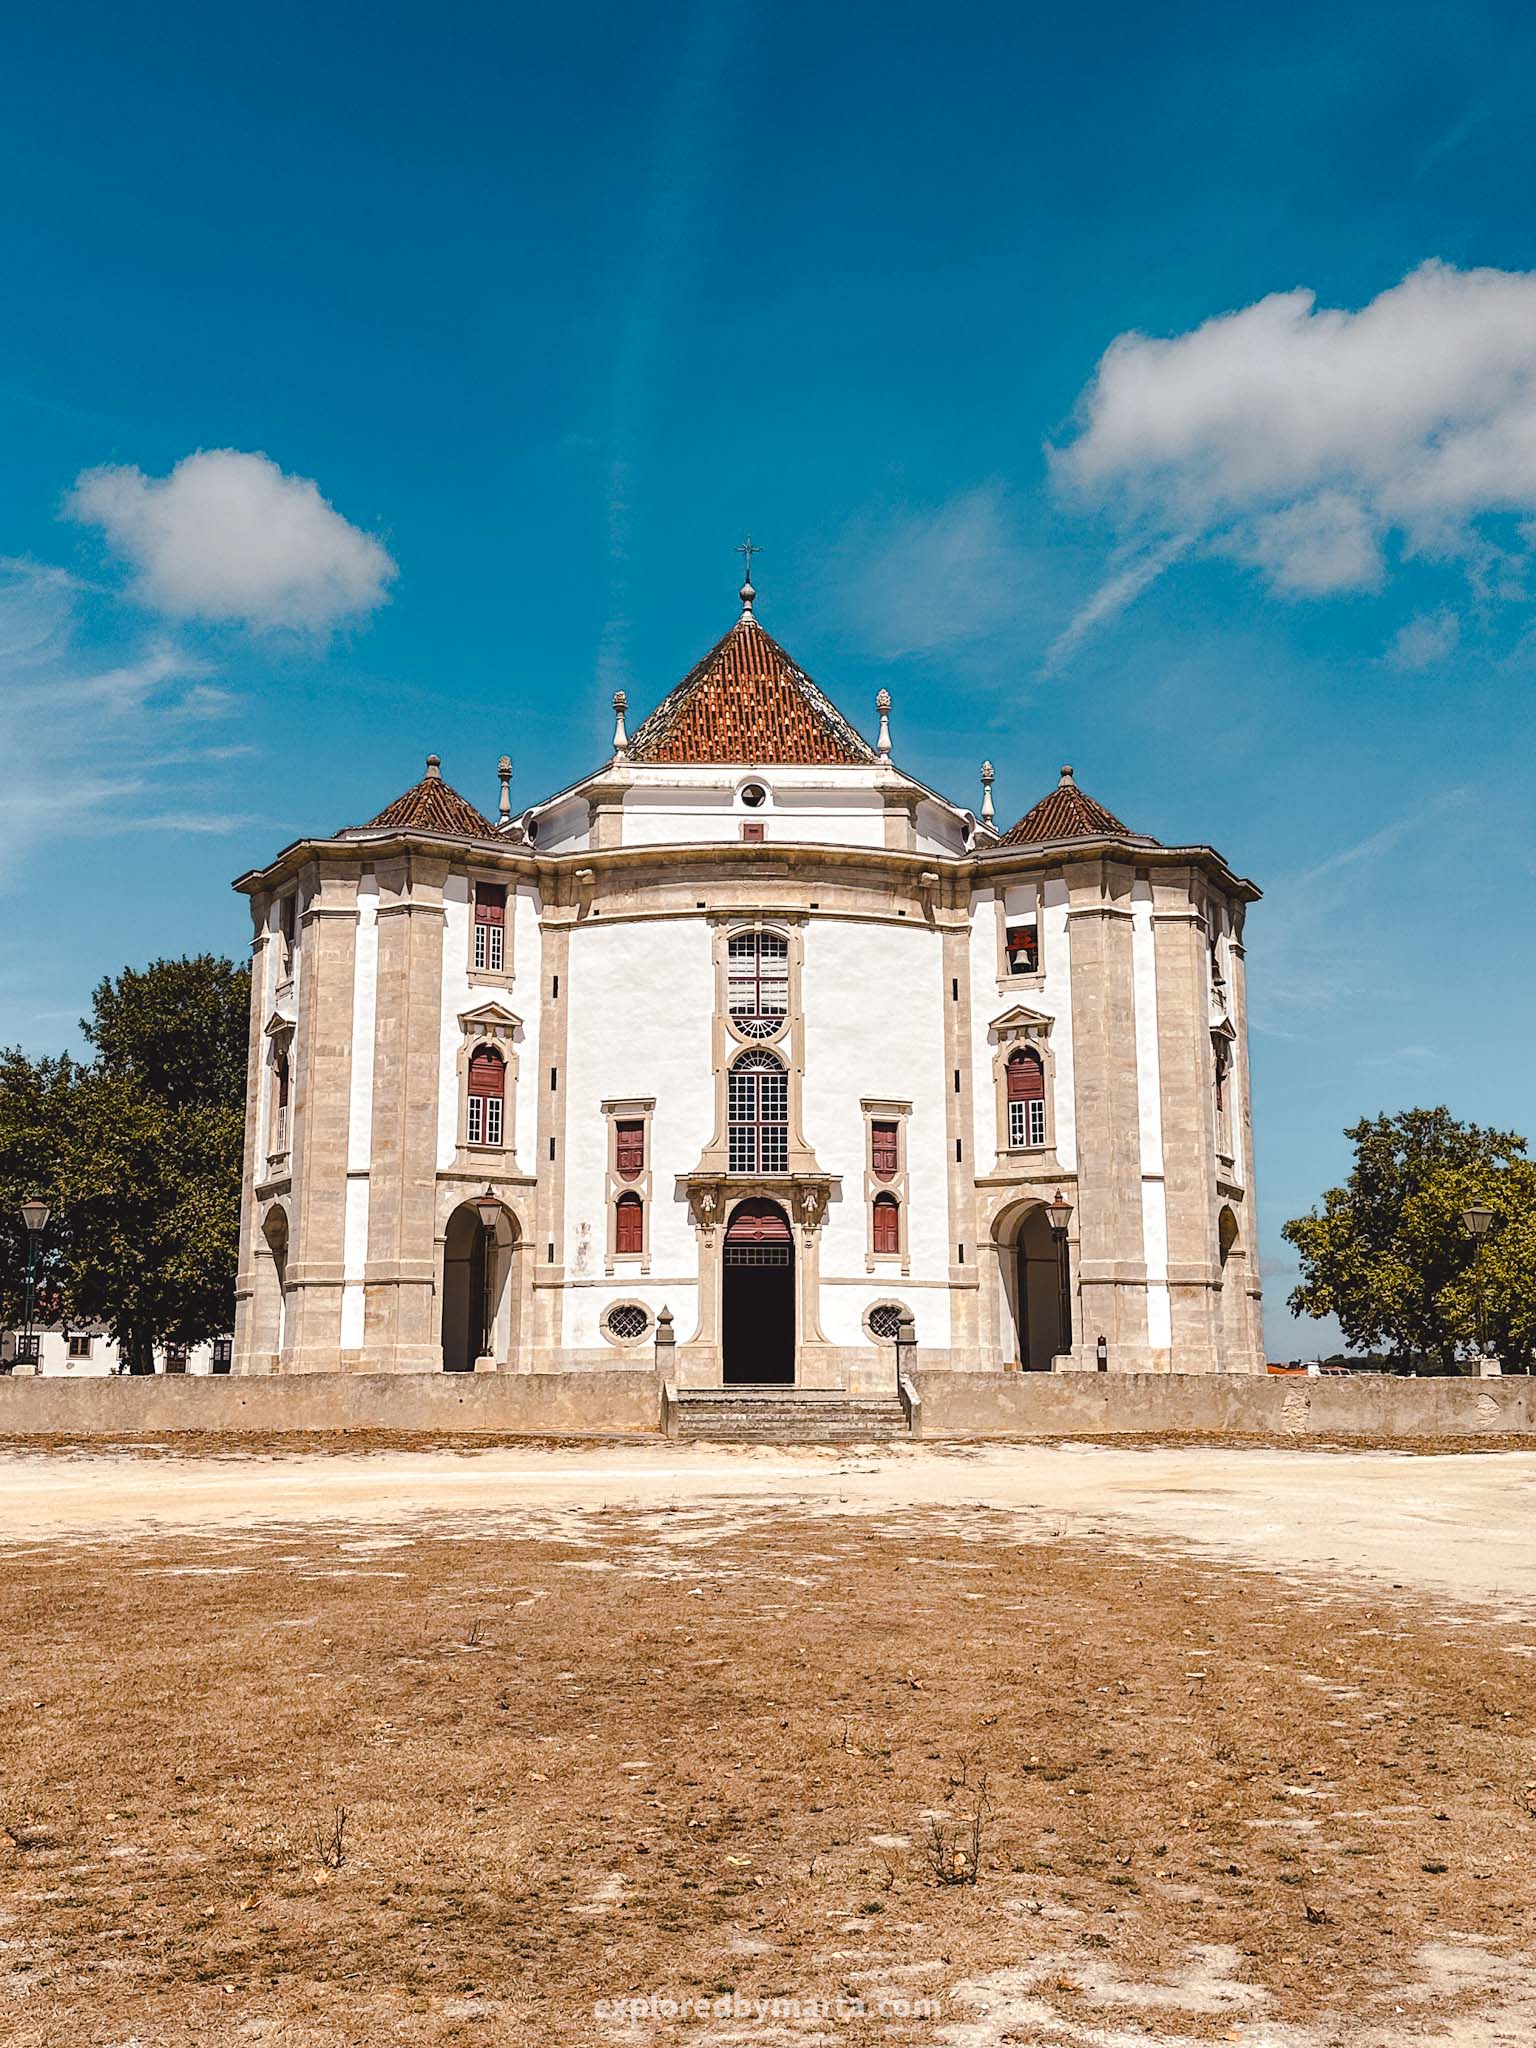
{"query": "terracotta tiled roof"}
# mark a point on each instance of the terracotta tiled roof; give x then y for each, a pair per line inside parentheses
(1065, 814)
(747, 701)
(431, 806)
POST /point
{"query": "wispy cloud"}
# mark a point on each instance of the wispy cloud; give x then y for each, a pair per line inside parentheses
(1380, 841)
(926, 579)
(1137, 570)
(95, 744)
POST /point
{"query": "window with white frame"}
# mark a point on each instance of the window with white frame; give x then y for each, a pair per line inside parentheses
(487, 1096)
(758, 982)
(1026, 1099)
(490, 927)
(79, 1344)
(757, 1115)
(281, 1077)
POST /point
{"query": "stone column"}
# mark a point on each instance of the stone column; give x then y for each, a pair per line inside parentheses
(1111, 1263)
(246, 1357)
(1185, 1063)
(1253, 1352)
(401, 1311)
(321, 1094)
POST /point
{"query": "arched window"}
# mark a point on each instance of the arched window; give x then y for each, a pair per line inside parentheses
(1026, 1099)
(758, 977)
(487, 1094)
(757, 1115)
(280, 1117)
(490, 926)
(628, 1225)
(887, 1231)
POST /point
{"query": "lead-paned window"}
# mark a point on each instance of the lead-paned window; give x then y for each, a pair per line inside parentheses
(757, 971)
(487, 1092)
(1026, 1099)
(757, 1115)
(490, 926)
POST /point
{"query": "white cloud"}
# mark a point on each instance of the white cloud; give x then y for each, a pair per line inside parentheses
(1301, 439)
(1427, 638)
(228, 536)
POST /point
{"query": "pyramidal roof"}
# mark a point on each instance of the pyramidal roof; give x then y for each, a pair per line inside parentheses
(1067, 813)
(746, 701)
(431, 806)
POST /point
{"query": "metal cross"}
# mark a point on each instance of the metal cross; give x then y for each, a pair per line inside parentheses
(749, 548)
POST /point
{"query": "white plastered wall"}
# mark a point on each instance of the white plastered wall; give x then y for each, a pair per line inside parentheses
(642, 1001)
(873, 998)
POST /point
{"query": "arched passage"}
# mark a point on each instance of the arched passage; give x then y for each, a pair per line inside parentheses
(1036, 1307)
(758, 1308)
(479, 1309)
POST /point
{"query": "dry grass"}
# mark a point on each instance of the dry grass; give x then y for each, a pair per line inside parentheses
(701, 1752)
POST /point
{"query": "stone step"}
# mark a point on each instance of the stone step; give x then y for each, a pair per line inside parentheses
(808, 1418)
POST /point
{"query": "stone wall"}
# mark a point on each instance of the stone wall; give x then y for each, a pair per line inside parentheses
(991, 1405)
(612, 1403)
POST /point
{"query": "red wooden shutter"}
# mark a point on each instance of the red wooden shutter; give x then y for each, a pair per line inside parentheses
(490, 903)
(629, 1150)
(882, 1151)
(1026, 1078)
(758, 1222)
(887, 1224)
(487, 1075)
(628, 1225)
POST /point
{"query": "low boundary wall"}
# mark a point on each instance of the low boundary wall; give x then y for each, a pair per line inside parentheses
(614, 1403)
(983, 1405)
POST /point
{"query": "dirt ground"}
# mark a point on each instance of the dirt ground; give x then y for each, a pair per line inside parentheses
(521, 1746)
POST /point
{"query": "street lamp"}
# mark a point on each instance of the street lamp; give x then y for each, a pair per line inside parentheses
(34, 1215)
(490, 1216)
(1476, 1222)
(1060, 1213)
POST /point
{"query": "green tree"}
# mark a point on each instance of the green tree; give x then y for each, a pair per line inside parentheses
(139, 1152)
(1388, 1256)
(34, 1099)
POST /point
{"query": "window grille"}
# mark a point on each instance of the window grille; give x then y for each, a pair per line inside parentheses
(627, 1320)
(757, 1115)
(885, 1321)
(883, 1157)
(757, 971)
(628, 1225)
(749, 1254)
(887, 1224)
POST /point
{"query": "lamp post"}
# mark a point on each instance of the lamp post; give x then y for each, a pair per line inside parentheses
(1476, 1223)
(1060, 1213)
(34, 1215)
(490, 1216)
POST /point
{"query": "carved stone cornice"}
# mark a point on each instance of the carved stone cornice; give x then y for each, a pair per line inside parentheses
(806, 1196)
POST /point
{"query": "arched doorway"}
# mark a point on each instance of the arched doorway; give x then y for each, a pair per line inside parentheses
(479, 1309)
(758, 1309)
(1034, 1290)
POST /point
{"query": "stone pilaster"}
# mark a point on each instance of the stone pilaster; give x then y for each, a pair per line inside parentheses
(254, 1153)
(1251, 1349)
(960, 1126)
(1111, 1254)
(322, 1088)
(548, 1288)
(1187, 1073)
(401, 1327)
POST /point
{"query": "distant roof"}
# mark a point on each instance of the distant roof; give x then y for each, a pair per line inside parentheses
(748, 702)
(1066, 813)
(431, 806)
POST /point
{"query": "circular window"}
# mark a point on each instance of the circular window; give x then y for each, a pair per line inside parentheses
(884, 1321)
(626, 1321)
(754, 796)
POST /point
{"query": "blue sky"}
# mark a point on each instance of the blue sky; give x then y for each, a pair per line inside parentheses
(552, 305)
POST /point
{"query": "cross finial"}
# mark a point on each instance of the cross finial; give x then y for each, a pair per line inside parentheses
(748, 549)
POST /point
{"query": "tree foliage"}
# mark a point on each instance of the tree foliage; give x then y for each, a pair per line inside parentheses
(1388, 1255)
(138, 1154)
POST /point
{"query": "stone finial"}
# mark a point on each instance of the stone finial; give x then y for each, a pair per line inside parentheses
(504, 770)
(434, 767)
(1066, 773)
(988, 813)
(883, 706)
(620, 736)
(747, 550)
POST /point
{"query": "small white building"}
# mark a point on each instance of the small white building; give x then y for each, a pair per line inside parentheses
(749, 1025)
(85, 1351)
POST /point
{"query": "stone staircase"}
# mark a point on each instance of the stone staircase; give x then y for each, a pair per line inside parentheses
(772, 1415)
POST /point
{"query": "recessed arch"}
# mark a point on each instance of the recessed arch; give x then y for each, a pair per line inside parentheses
(758, 1296)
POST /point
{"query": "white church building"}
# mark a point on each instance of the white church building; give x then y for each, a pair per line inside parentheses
(751, 1041)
